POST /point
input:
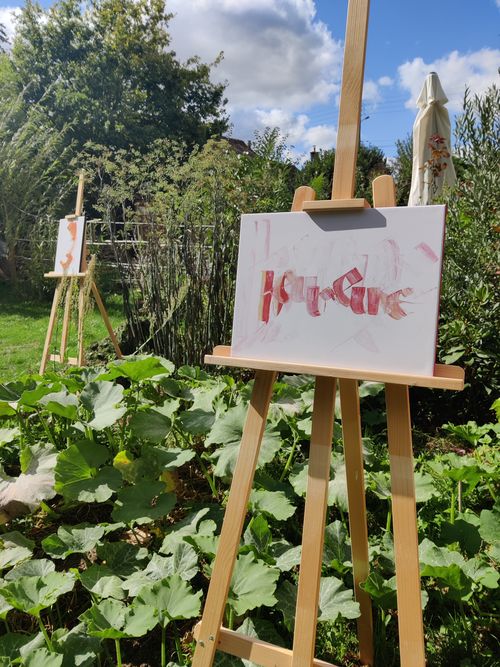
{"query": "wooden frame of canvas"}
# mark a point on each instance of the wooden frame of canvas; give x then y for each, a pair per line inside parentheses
(79, 360)
(209, 633)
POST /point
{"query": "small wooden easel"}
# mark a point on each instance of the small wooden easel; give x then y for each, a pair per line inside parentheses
(61, 357)
(210, 634)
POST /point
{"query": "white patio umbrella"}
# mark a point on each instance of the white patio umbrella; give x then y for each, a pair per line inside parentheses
(432, 163)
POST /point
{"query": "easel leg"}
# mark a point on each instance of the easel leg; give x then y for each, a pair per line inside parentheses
(81, 314)
(411, 631)
(107, 322)
(50, 328)
(353, 453)
(234, 519)
(66, 321)
(314, 522)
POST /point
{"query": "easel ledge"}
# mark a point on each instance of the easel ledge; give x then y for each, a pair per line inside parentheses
(445, 377)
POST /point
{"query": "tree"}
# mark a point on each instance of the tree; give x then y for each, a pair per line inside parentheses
(318, 171)
(104, 68)
(3, 37)
(403, 168)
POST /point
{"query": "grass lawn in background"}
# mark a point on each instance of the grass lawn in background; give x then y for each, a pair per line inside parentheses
(23, 326)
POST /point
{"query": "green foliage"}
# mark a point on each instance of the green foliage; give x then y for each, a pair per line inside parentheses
(470, 310)
(130, 526)
(318, 171)
(105, 69)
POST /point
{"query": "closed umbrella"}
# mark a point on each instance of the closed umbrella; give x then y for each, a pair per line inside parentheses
(432, 163)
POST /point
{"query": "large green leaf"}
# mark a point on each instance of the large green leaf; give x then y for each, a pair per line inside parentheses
(100, 580)
(489, 527)
(61, 404)
(138, 368)
(10, 644)
(32, 594)
(286, 555)
(102, 400)
(153, 462)
(14, 548)
(444, 565)
(337, 487)
(72, 539)
(481, 574)
(8, 435)
(336, 551)
(42, 658)
(31, 568)
(35, 483)
(111, 619)
(196, 421)
(464, 531)
(274, 503)
(121, 557)
(79, 475)
(143, 503)
(228, 431)
(253, 585)
(258, 535)
(171, 598)
(381, 591)
(187, 527)
(334, 601)
(77, 648)
(150, 425)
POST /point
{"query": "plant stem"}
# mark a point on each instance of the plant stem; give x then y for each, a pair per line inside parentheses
(7, 627)
(48, 641)
(289, 460)
(178, 647)
(163, 656)
(492, 493)
(230, 617)
(207, 476)
(389, 519)
(118, 653)
(452, 506)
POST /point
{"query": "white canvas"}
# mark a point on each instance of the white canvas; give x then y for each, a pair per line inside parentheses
(69, 246)
(356, 290)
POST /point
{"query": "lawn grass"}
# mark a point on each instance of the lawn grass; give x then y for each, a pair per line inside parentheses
(23, 326)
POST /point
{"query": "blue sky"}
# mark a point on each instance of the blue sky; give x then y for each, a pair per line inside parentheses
(283, 59)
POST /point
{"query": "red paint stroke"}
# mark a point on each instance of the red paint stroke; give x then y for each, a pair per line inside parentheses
(312, 301)
(353, 276)
(428, 252)
(357, 297)
(393, 248)
(363, 300)
(266, 295)
(72, 229)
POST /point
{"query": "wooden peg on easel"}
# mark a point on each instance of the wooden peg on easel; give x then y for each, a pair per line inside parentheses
(80, 276)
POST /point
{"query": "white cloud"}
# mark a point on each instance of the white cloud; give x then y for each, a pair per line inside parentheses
(371, 93)
(386, 80)
(477, 70)
(276, 53)
(296, 128)
(7, 19)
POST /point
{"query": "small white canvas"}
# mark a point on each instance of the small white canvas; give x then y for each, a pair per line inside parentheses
(69, 245)
(357, 290)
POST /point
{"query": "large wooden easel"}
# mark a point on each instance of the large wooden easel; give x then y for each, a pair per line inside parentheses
(210, 634)
(79, 360)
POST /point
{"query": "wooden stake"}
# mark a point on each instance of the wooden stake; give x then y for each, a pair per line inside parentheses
(50, 328)
(404, 513)
(346, 151)
(313, 531)
(233, 519)
(353, 453)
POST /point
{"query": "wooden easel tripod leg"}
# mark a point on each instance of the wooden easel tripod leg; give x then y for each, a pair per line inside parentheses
(353, 453)
(314, 523)
(50, 328)
(233, 520)
(411, 631)
(105, 317)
